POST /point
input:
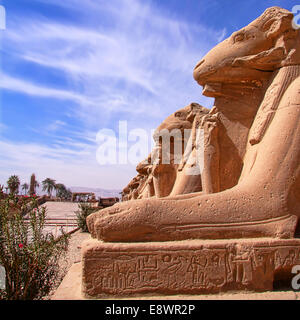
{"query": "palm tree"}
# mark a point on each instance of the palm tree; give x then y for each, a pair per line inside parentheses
(25, 187)
(13, 184)
(68, 194)
(60, 190)
(49, 185)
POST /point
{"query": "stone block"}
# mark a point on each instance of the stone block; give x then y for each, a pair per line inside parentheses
(186, 267)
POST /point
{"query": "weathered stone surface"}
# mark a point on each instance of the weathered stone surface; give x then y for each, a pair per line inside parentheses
(187, 267)
(70, 289)
(251, 176)
(156, 178)
(249, 187)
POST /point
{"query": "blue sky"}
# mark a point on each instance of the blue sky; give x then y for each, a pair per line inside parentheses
(70, 68)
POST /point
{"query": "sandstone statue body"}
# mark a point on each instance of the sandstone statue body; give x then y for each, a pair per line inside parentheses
(187, 233)
(251, 177)
(156, 178)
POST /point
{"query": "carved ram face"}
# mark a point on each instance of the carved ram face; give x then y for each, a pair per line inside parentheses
(252, 53)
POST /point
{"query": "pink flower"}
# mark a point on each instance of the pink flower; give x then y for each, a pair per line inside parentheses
(21, 245)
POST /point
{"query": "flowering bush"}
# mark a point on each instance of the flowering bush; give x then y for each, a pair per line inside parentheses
(28, 254)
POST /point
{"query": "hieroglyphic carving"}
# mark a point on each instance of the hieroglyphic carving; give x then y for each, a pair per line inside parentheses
(194, 270)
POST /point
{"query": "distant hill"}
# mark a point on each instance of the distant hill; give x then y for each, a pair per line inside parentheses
(99, 192)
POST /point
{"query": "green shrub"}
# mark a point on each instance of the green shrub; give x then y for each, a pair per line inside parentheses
(85, 209)
(28, 254)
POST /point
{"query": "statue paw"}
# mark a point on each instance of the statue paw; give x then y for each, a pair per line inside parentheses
(127, 221)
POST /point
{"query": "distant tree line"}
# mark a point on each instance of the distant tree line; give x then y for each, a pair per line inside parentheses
(49, 185)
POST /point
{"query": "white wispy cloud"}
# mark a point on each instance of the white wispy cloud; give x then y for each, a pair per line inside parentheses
(2, 127)
(222, 35)
(14, 84)
(54, 126)
(142, 51)
(61, 162)
(127, 60)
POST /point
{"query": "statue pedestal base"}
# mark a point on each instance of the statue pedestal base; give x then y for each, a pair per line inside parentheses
(186, 267)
